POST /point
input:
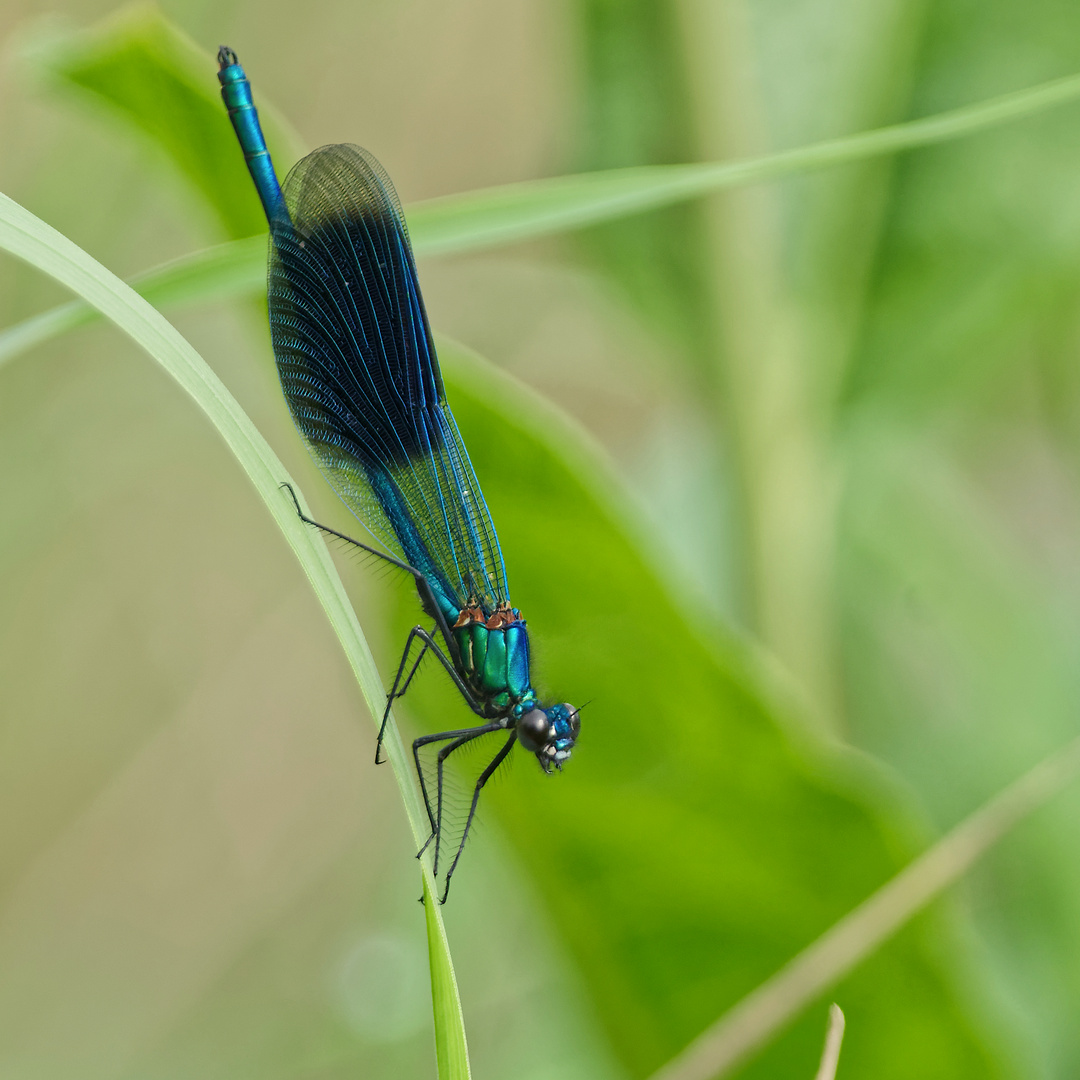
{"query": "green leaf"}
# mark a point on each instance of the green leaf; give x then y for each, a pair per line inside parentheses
(961, 649)
(29, 238)
(139, 64)
(698, 839)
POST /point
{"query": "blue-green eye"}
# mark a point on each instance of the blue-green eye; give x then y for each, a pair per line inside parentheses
(575, 721)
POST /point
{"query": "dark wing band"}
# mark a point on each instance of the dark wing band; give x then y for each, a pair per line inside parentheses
(359, 370)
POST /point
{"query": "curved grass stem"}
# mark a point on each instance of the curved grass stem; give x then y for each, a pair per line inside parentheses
(27, 237)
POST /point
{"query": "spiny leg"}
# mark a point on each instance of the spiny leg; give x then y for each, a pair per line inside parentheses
(349, 540)
(485, 776)
(416, 667)
(463, 735)
(417, 631)
(445, 753)
(425, 740)
(429, 642)
(414, 633)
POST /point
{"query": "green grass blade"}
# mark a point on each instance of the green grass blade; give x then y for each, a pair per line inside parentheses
(233, 269)
(487, 218)
(451, 1051)
(523, 211)
(834, 1040)
(30, 239)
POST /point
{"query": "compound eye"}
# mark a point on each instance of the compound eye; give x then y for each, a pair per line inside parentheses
(533, 729)
(575, 721)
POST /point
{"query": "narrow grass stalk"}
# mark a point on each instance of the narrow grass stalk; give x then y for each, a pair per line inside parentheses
(490, 217)
(30, 239)
(761, 1014)
(451, 1053)
(834, 1038)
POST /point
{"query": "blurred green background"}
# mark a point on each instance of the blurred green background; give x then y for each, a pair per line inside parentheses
(789, 485)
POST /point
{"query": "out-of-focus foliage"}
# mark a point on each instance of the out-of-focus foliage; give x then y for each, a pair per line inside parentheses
(714, 847)
(660, 968)
(936, 301)
(636, 110)
(156, 77)
(700, 837)
(959, 564)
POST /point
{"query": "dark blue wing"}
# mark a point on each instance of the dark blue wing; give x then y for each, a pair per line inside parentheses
(359, 370)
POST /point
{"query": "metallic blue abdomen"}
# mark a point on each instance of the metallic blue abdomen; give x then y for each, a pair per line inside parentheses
(236, 92)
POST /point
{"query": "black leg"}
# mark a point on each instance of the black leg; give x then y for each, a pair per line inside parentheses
(424, 740)
(427, 637)
(444, 753)
(348, 539)
(485, 776)
(416, 667)
(460, 738)
(429, 643)
(394, 691)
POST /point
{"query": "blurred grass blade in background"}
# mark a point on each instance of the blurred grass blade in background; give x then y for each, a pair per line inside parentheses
(479, 220)
(516, 212)
(141, 67)
(756, 1018)
(220, 272)
(834, 1039)
(30, 239)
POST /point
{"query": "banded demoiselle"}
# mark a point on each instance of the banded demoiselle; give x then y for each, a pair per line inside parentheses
(358, 368)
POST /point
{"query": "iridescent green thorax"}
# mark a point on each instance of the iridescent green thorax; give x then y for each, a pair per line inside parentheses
(494, 654)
